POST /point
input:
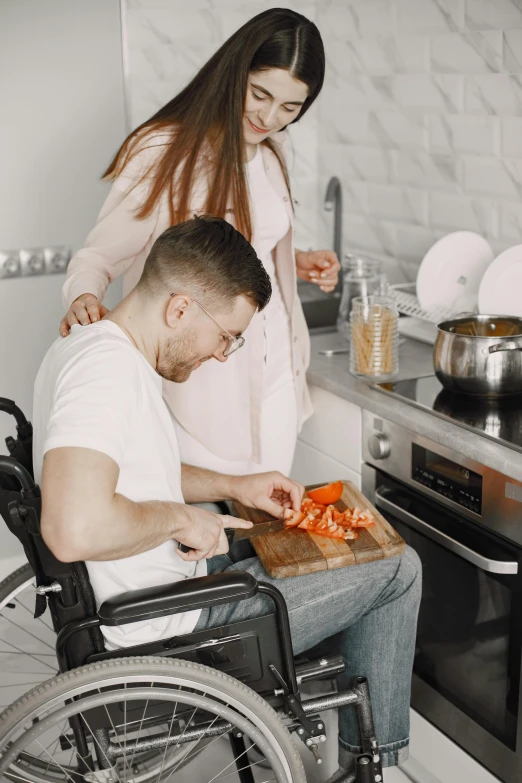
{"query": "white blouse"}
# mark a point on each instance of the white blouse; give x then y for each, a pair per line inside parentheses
(271, 223)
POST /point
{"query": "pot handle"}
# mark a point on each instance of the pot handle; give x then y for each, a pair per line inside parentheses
(509, 346)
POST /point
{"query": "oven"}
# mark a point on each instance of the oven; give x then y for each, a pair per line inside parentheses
(465, 522)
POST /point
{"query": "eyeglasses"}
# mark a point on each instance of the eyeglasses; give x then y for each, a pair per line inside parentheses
(233, 343)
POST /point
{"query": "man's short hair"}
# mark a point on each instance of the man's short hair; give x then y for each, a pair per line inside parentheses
(208, 258)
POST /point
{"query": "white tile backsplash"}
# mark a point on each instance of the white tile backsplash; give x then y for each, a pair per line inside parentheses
(462, 133)
(422, 92)
(492, 176)
(393, 202)
(513, 51)
(380, 56)
(429, 116)
(495, 94)
(370, 234)
(493, 14)
(512, 136)
(429, 16)
(467, 51)
(461, 212)
(425, 170)
(396, 129)
(511, 221)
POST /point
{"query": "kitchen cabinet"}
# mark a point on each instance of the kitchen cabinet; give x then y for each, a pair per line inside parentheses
(330, 443)
(312, 466)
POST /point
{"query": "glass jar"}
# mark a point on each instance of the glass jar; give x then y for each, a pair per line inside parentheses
(374, 337)
(361, 277)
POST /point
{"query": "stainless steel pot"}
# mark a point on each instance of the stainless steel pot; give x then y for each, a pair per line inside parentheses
(480, 354)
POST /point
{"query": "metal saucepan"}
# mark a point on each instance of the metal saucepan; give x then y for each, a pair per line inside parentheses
(480, 354)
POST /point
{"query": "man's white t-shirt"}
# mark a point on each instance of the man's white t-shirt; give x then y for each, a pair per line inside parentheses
(96, 390)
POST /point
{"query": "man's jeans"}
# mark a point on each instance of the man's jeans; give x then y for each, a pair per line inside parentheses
(374, 606)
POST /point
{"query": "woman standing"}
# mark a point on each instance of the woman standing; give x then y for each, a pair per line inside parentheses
(218, 147)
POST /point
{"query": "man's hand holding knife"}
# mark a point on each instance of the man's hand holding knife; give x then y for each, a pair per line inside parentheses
(210, 534)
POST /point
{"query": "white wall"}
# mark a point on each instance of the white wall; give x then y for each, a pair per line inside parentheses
(61, 119)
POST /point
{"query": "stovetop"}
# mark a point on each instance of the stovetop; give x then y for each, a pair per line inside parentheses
(499, 419)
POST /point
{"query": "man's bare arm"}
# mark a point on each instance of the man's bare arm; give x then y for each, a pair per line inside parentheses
(205, 486)
(271, 492)
(83, 518)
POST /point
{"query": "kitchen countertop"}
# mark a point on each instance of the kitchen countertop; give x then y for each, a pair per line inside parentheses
(415, 360)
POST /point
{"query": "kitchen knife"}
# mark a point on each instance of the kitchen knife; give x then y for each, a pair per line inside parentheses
(240, 533)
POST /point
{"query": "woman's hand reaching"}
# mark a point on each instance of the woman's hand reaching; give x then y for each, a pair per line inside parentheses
(318, 266)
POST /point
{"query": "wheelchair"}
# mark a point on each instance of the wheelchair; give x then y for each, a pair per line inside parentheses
(227, 698)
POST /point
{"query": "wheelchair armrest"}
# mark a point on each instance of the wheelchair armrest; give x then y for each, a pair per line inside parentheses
(151, 602)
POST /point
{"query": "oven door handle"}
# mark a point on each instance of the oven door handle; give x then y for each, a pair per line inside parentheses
(484, 563)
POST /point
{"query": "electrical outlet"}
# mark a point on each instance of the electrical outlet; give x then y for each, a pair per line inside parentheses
(32, 262)
(29, 262)
(9, 263)
(57, 259)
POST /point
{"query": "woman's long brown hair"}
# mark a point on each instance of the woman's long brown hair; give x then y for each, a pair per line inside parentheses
(207, 116)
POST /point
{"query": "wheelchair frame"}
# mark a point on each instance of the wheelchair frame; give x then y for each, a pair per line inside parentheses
(64, 586)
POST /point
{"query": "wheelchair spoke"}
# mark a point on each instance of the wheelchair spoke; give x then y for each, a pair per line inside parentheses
(191, 752)
(74, 751)
(139, 731)
(112, 723)
(97, 742)
(240, 769)
(178, 743)
(125, 735)
(31, 613)
(55, 748)
(24, 652)
(21, 627)
(234, 760)
(19, 777)
(55, 762)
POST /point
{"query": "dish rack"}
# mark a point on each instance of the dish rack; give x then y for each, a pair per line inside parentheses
(420, 324)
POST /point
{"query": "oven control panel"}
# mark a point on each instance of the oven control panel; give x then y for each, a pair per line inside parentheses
(447, 478)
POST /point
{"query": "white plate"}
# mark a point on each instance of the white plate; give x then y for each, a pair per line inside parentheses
(500, 292)
(451, 271)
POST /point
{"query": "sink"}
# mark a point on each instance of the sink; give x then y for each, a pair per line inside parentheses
(321, 314)
(320, 309)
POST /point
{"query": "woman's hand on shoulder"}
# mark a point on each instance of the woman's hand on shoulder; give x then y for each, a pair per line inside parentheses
(86, 309)
(318, 266)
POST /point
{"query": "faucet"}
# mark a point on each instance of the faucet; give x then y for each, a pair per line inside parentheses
(333, 201)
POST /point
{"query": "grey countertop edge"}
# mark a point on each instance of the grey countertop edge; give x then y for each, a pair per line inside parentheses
(333, 375)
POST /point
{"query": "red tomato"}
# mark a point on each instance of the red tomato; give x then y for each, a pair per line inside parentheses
(327, 495)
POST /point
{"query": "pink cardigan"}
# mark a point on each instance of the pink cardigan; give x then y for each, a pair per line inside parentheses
(220, 405)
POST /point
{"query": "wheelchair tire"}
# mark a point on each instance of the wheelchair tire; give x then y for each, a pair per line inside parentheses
(89, 687)
(10, 586)
(27, 645)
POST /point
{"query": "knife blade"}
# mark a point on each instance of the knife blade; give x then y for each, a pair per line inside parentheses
(240, 533)
(258, 529)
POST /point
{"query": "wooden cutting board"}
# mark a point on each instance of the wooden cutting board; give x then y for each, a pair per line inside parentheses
(295, 552)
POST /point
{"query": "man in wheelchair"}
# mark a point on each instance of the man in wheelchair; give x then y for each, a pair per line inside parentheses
(115, 495)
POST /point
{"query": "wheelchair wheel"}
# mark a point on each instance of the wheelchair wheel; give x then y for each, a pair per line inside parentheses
(126, 719)
(27, 646)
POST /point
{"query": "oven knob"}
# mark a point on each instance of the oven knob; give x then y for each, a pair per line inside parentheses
(379, 446)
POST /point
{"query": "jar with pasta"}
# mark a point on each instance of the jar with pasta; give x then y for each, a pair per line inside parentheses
(374, 337)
